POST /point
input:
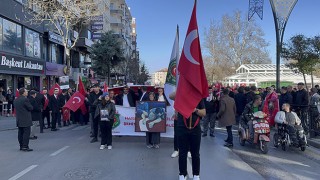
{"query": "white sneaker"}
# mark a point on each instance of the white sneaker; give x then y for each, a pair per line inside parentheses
(189, 155)
(175, 154)
(196, 177)
(102, 147)
(181, 177)
(109, 147)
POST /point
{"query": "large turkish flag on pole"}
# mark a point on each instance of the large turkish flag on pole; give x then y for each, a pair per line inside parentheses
(75, 102)
(193, 84)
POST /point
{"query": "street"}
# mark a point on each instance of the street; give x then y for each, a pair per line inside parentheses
(67, 154)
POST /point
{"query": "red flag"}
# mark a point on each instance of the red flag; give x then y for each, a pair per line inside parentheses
(51, 91)
(83, 109)
(65, 114)
(75, 102)
(105, 87)
(81, 87)
(193, 85)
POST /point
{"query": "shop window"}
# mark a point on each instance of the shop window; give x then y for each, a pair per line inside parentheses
(32, 44)
(11, 37)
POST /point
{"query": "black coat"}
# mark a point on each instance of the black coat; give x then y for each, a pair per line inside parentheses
(110, 106)
(145, 96)
(54, 104)
(36, 113)
(41, 99)
(92, 98)
(23, 111)
(285, 98)
(131, 98)
(302, 98)
(240, 100)
(62, 100)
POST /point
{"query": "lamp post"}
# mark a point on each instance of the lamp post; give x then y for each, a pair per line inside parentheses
(281, 10)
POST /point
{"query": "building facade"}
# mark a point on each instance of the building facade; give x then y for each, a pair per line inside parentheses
(264, 75)
(21, 48)
(159, 78)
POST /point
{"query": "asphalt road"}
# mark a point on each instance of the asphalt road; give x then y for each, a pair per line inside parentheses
(67, 154)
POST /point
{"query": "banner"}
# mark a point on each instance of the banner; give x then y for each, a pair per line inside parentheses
(124, 123)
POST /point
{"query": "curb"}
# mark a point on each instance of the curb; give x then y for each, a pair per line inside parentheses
(314, 143)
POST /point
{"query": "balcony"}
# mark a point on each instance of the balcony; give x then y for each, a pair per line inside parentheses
(116, 10)
(116, 22)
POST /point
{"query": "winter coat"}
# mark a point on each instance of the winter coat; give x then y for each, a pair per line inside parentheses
(36, 113)
(240, 100)
(23, 111)
(227, 111)
(285, 98)
(110, 106)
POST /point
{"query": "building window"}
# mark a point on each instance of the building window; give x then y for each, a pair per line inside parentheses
(56, 54)
(32, 44)
(0, 33)
(11, 37)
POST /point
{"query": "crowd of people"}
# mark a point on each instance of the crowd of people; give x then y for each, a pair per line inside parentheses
(226, 105)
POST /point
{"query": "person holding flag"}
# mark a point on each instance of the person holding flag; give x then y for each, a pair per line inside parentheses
(192, 88)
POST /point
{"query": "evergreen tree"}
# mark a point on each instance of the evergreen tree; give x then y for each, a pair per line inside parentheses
(106, 54)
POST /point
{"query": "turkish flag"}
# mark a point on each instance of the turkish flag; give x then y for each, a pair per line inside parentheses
(105, 87)
(51, 91)
(193, 84)
(81, 88)
(75, 102)
(65, 114)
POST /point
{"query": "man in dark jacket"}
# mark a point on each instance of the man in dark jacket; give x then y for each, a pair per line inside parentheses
(285, 97)
(211, 104)
(24, 119)
(143, 94)
(93, 96)
(127, 98)
(35, 113)
(302, 98)
(293, 93)
(63, 98)
(55, 110)
(240, 100)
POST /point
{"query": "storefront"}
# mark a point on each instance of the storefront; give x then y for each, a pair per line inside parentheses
(17, 72)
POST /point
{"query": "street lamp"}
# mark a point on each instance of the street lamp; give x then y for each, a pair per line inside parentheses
(281, 10)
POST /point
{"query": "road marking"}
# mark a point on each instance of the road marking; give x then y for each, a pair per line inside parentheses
(59, 151)
(189, 167)
(20, 174)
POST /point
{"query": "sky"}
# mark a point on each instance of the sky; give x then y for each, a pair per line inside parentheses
(157, 20)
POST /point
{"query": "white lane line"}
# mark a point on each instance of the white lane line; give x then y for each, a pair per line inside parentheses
(189, 167)
(20, 174)
(59, 151)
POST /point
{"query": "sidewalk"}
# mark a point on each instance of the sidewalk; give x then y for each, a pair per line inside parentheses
(7, 123)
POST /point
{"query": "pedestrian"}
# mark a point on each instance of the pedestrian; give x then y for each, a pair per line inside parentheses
(23, 118)
(240, 100)
(285, 97)
(46, 109)
(189, 138)
(271, 105)
(10, 98)
(152, 138)
(105, 110)
(63, 98)
(227, 115)
(175, 128)
(55, 110)
(93, 96)
(209, 121)
(35, 113)
(127, 98)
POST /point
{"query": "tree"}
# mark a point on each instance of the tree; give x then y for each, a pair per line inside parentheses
(62, 16)
(232, 42)
(302, 54)
(133, 70)
(143, 75)
(106, 54)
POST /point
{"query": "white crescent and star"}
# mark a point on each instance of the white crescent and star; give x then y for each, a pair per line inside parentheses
(79, 100)
(187, 52)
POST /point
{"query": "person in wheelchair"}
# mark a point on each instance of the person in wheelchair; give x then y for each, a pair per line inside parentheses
(291, 121)
(246, 120)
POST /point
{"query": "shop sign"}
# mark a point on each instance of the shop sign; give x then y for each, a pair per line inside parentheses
(55, 38)
(21, 64)
(96, 35)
